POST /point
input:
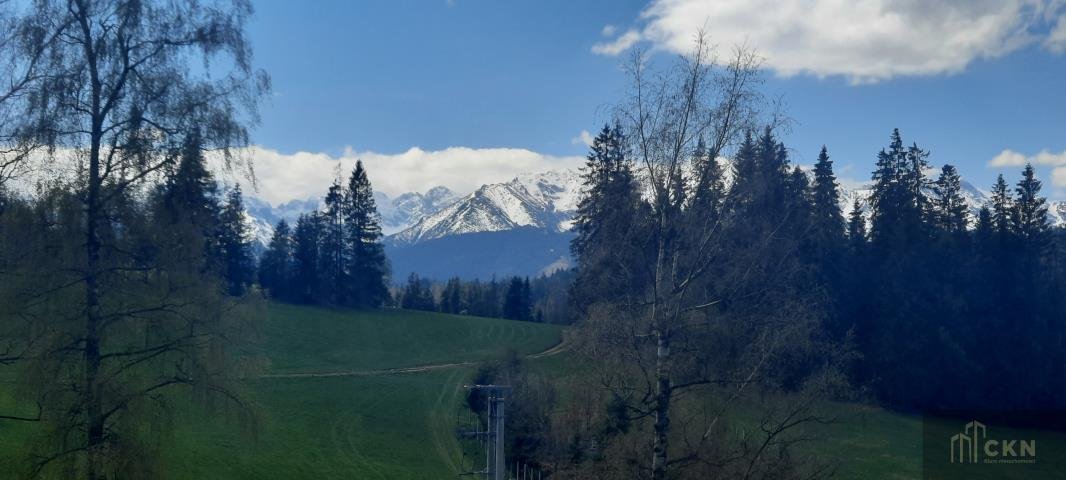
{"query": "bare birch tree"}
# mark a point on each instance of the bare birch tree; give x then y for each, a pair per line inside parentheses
(116, 84)
(668, 342)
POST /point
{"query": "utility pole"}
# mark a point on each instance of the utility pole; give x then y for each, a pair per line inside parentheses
(495, 463)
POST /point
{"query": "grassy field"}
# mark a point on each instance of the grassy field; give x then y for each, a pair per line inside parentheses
(398, 426)
(315, 424)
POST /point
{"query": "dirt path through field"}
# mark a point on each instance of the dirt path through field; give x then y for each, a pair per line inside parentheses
(555, 350)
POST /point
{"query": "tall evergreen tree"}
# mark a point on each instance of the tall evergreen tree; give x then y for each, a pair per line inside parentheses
(333, 256)
(367, 264)
(516, 303)
(1002, 208)
(856, 227)
(704, 209)
(235, 244)
(451, 299)
(305, 255)
(948, 207)
(190, 194)
(828, 220)
(417, 295)
(607, 233)
(1030, 219)
(276, 264)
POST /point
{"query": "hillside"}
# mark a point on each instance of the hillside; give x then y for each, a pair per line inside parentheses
(360, 424)
(328, 408)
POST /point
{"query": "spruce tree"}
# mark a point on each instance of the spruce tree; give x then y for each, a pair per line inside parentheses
(1030, 220)
(516, 303)
(704, 210)
(856, 227)
(187, 202)
(305, 247)
(235, 244)
(1002, 209)
(606, 223)
(367, 264)
(276, 264)
(948, 206)
(451, 300)
(828, 219)
(333, 257)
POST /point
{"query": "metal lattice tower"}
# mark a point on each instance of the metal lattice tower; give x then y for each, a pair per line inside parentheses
(495, 461)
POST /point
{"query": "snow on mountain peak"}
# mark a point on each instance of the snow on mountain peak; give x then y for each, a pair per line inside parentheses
(543, 200)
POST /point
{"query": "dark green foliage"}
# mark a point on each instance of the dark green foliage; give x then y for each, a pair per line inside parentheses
(609, 236)
(367, 265)
(235, 245)
(451, 298)
(516, 302)
(980, 305)
(276, 266)
(336, 254)
(417, 294)
(540, 299)
(306, 284)
(949, 208)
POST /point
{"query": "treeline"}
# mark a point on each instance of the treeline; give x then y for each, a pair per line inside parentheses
(333, 256)
(925, 304)
(953, 312)
(540, 299)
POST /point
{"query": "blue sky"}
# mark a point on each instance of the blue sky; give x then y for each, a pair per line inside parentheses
(966, 80)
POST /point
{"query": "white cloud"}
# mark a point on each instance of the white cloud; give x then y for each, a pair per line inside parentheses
(282, 177)
(865, 41)
(585, 138)
(618, 45)
(1010, 158)
(1007, 158)
(1048, 158)
(1058, 177)
(608, 30)
(1056, 40)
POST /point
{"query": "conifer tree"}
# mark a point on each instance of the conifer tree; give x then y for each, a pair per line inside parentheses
(516, 304)
(333, 256)
(276, 264)
(190, 194)
(1030, 220)
(1002, 208)
(235, 244)
(828, 220)
(367, 264)
(949, 208)
(417, 295)
(856, 227)
(305, 248)
(605, 223)
(187, 202)
(451, 300)
(704, 210)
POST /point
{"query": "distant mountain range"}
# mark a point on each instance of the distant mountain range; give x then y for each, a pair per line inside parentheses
(519, 227)
(544, 200)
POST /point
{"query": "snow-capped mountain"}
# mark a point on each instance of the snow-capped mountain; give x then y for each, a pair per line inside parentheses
(407, 208)
(974, 197)
(545, 200)
(262, 217)
(396, 213)
(1057, 211)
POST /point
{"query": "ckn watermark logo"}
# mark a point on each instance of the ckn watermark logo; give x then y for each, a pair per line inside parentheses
(972, 445)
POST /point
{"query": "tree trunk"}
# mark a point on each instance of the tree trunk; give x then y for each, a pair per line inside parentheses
(94, 413)
(663, 390)
(94, 421)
